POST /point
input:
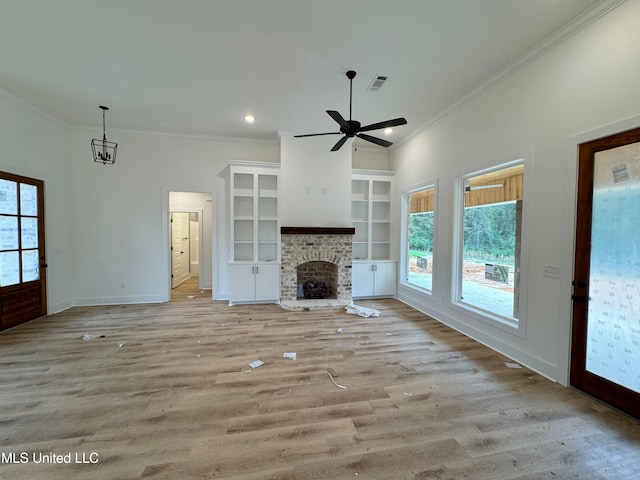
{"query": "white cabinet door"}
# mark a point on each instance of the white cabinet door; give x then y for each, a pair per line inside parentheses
(361, 279)
(267, 280)
(242, 286)
(373, 279)
(384, 278)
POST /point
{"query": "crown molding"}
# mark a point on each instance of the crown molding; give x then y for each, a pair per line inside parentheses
(202, 136)
(29, 106)
(570, 29)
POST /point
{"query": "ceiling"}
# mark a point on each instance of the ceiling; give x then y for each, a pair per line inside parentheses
(197, 67)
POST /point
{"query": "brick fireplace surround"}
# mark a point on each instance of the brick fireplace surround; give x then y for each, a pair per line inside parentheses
(312, 244)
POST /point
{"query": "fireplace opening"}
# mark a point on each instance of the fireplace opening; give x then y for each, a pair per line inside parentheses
(317, 280)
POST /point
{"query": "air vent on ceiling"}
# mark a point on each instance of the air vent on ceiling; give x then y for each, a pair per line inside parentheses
(377, 82)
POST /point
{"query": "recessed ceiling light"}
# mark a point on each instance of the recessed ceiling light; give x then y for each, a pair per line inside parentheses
(388, 131)
(249, 118)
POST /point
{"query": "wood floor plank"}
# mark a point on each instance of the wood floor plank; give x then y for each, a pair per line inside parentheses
(164, 391)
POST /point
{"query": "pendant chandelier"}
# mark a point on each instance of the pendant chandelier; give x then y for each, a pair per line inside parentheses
(103, 151)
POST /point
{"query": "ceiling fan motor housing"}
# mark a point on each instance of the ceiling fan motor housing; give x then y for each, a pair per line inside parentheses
(351, 128)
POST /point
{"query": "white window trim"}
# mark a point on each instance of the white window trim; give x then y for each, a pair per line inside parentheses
(404, 234)
(513, 326)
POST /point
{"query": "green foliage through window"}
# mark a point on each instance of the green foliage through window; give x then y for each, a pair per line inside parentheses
(421, 232)
(490, 233)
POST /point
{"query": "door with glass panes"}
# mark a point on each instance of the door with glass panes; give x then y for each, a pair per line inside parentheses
(605, 351)
(22, 255)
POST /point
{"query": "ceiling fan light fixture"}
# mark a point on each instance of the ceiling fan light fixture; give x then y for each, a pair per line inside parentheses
(353, 128)
(104, 151)
(249, 118)
(388, 131)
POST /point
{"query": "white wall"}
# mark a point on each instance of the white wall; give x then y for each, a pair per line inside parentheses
(370, 158)
(120, 212)
(35, 146)
(106, 224)
(589, 81)
(315, 182)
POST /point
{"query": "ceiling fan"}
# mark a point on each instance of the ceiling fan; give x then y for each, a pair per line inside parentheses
(352, 128)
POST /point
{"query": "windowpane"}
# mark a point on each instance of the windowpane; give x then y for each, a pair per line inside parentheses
(490, 237)
(30, 266)
(28, 199)
(8, 233)
(29, 232)
(9, 268)
(8, 197)
(419, 259)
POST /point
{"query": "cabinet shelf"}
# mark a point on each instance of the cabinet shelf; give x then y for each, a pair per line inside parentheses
(371, 196)
(254, 200)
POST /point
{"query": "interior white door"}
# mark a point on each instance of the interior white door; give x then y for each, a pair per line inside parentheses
(179, 248)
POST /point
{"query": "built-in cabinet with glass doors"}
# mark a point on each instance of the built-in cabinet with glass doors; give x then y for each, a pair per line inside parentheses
(254, 269)
(374, 270)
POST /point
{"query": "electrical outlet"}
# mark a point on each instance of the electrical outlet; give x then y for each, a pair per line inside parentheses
(551, 271)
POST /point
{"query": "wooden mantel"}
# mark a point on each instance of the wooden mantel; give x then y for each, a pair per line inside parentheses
(317, 231)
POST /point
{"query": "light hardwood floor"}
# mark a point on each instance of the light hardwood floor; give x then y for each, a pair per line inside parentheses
(164, 391)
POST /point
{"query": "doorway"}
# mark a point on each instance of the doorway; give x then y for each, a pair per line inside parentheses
(22, 255)
(196, 212)
(605, 349)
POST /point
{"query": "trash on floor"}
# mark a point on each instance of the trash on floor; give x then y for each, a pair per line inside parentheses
(91, 336)
(340, 330)
(332, 372)
(362, 311)
(512, 365)
(291, 355)
(191, 297)
(334, 382)
(256, 363)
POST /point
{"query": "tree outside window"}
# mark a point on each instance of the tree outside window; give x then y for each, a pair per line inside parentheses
(420, 236)
(489, 269)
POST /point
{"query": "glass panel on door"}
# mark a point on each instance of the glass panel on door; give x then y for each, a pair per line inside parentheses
(613, 331)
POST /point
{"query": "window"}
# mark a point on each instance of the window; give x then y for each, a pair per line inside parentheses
(19, 254)
(489, 241)
(419, 237)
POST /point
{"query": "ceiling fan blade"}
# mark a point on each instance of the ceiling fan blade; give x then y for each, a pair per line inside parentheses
(337, 117)
(376, 140)
(316, 134)
(339, 144)
(389, 123)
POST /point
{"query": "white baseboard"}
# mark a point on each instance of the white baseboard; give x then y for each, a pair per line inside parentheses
(95, 301)
(538, 365)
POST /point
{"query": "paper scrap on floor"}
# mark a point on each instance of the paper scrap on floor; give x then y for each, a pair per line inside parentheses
(362, 311)
(256, 364)
(512, 365)
(291, 355)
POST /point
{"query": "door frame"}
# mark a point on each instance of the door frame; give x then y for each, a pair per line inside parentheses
(166, 240)
(569, 172)
(42, 243)
(602, 388)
